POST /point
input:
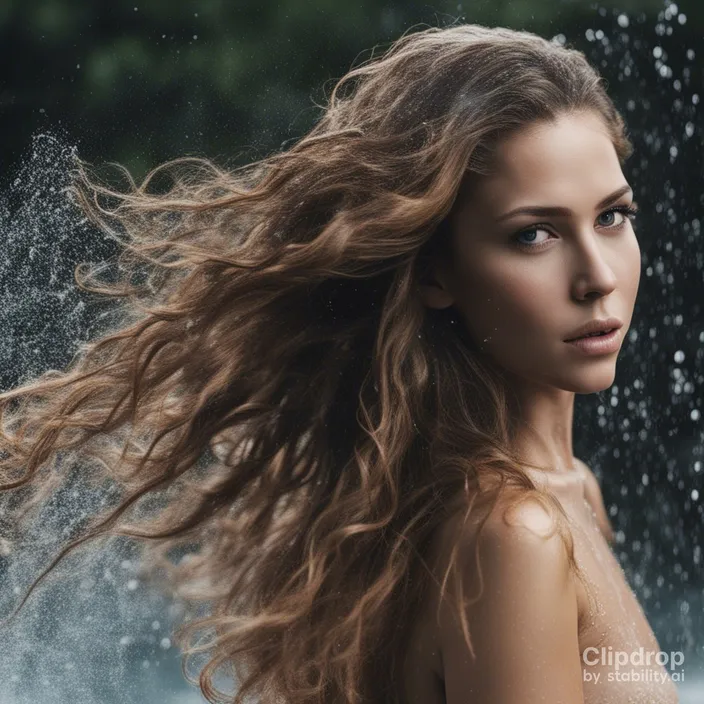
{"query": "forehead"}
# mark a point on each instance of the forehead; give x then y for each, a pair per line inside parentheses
(561, 162)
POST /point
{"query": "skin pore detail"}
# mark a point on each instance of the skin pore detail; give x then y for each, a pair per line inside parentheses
(540, 246)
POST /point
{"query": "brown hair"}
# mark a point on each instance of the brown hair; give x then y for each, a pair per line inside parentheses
(275, 384)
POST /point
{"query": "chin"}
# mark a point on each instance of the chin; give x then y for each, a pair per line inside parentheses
(579, 380)
(590, 382)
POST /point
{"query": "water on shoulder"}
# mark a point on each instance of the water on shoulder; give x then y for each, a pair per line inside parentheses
(611, 621)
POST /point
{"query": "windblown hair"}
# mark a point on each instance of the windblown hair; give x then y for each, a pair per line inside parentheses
(275, 384)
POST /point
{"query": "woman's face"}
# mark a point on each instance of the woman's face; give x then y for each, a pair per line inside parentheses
(522, 283)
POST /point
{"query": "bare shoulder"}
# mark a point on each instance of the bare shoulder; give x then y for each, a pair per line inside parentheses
(522, 613)
(517, 533)
(514, 521)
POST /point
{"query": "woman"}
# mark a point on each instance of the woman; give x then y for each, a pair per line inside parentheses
(349, 379)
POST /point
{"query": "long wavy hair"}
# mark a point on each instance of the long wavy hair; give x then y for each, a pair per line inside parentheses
(298, 423)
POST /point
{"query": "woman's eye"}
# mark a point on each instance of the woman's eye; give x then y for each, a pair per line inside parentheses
(611, 214)
(624, 211)
(531, 236)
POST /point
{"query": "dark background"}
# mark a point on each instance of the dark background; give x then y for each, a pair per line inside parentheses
(142, 82)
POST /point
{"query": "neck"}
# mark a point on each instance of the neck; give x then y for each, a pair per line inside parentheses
(543, 427)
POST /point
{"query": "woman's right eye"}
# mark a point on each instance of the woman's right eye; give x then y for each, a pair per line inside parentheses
(531, 233)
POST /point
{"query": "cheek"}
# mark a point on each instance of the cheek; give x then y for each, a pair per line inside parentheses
(506, 307)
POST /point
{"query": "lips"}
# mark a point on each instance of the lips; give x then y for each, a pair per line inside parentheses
(593, 327)
(597, 345)
(592, 334)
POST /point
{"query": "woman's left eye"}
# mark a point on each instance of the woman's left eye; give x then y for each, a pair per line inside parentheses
(611, 213)
(628, 213)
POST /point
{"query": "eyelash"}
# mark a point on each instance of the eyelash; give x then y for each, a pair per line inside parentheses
(629, 211)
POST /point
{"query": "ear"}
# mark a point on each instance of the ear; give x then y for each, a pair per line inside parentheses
(434, 290)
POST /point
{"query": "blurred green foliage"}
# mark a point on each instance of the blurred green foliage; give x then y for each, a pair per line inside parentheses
(146, 80)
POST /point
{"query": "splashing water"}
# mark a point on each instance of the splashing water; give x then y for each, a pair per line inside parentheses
(92, 632)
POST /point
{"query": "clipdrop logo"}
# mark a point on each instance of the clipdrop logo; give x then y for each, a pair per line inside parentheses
(634, 666)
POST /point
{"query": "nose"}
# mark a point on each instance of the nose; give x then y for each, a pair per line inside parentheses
(594, 277)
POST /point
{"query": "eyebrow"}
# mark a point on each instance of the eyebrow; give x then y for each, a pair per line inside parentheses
(546, 211)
